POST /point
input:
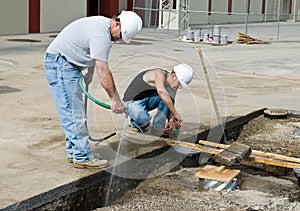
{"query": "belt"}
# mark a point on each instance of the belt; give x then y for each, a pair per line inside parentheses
(74, 65)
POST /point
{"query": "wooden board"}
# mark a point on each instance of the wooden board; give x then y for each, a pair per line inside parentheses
(235, 153)
(213, 148)
(255, 156)
(296, 124)
(217, 173)
(266, 155)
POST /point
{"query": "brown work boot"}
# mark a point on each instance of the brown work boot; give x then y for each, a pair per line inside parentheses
(142, 129)
(94, 163)
(70, 160)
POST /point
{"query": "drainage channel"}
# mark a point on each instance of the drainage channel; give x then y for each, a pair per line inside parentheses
(89, 193)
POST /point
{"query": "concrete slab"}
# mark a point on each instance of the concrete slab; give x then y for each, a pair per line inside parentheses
(244, 78)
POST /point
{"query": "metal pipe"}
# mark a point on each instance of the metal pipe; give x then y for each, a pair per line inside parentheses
(247, 17)
(278, 18)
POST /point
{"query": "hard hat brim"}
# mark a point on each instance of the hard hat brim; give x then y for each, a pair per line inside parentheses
(125, 38)
(184, 84)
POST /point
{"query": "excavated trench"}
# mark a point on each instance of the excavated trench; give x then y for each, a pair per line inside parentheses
(273, 135)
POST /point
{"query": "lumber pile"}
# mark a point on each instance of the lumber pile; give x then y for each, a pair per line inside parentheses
(246, 39)
(226, 157)
(255, 156)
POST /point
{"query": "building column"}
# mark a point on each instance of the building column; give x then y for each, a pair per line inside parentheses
(130, 4)
(296, 6)
(92, 7)
(34, 16)
(109, 8)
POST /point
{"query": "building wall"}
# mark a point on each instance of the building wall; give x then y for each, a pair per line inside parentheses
(13, 17)
(122, 5)
(295, 10)
(221, 12)
(238, 11)
(198, 17)
(56, 14)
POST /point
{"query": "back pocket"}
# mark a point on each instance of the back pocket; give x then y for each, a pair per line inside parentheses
(51, 73)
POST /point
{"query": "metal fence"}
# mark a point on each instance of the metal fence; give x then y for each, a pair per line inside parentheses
(173, 17)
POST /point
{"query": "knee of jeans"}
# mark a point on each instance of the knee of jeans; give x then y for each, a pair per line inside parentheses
(143, 119)
(162, 107)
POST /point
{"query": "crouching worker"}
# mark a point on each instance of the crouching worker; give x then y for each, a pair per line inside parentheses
(156, 89)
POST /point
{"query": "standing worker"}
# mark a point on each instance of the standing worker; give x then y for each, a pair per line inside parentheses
(156, 89)
(85, 43)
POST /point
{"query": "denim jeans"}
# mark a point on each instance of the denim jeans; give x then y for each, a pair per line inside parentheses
(139, 115)
(63, 80)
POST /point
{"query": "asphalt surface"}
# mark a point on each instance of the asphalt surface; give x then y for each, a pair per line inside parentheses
(244, 78)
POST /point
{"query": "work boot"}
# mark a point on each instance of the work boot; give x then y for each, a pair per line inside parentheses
(94, 163)
(143, 129)
(134, 129)
(70, 160)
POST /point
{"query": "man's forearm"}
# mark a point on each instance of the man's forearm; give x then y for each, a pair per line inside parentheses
(107, 82)
(168, 102)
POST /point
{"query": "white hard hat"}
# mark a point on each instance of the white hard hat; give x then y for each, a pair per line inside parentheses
(131, 24)
(184, 74)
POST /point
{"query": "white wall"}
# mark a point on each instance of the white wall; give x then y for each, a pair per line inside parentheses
(122, 5)
(13, 17)
(198, 17)
(255, 11)
(238, 11)
(295, 10)
(56, 14)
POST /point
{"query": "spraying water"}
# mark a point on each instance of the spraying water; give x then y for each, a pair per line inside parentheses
(118, 159)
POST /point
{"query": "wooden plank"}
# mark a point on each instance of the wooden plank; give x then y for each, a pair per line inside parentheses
(296, 124)
(254, 152)
(261, 157)
(233, 154)
(217, 173)
(192, 146)
(280, 163)
(252, 157)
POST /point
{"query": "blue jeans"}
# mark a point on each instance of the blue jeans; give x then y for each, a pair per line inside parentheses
(139, 115)
(63, 80)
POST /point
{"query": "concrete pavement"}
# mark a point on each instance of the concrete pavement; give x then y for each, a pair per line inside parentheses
(244, 78)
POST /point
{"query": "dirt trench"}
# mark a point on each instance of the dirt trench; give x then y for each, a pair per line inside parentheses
(259, 186)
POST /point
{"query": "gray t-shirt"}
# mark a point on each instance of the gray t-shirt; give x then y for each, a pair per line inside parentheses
(84, 41)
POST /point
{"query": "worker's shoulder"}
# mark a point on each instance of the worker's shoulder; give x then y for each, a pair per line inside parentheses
(157, 70)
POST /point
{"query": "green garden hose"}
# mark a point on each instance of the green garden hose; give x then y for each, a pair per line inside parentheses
(104, 105)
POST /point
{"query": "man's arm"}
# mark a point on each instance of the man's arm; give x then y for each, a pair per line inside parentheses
(164, 95)
(88, 78)
(106, 80)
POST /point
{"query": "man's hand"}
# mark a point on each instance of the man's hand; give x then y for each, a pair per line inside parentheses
(117, 106)
(169, 125)
(177, 120)
(174, 120)
(178, 123)
(88, 78)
